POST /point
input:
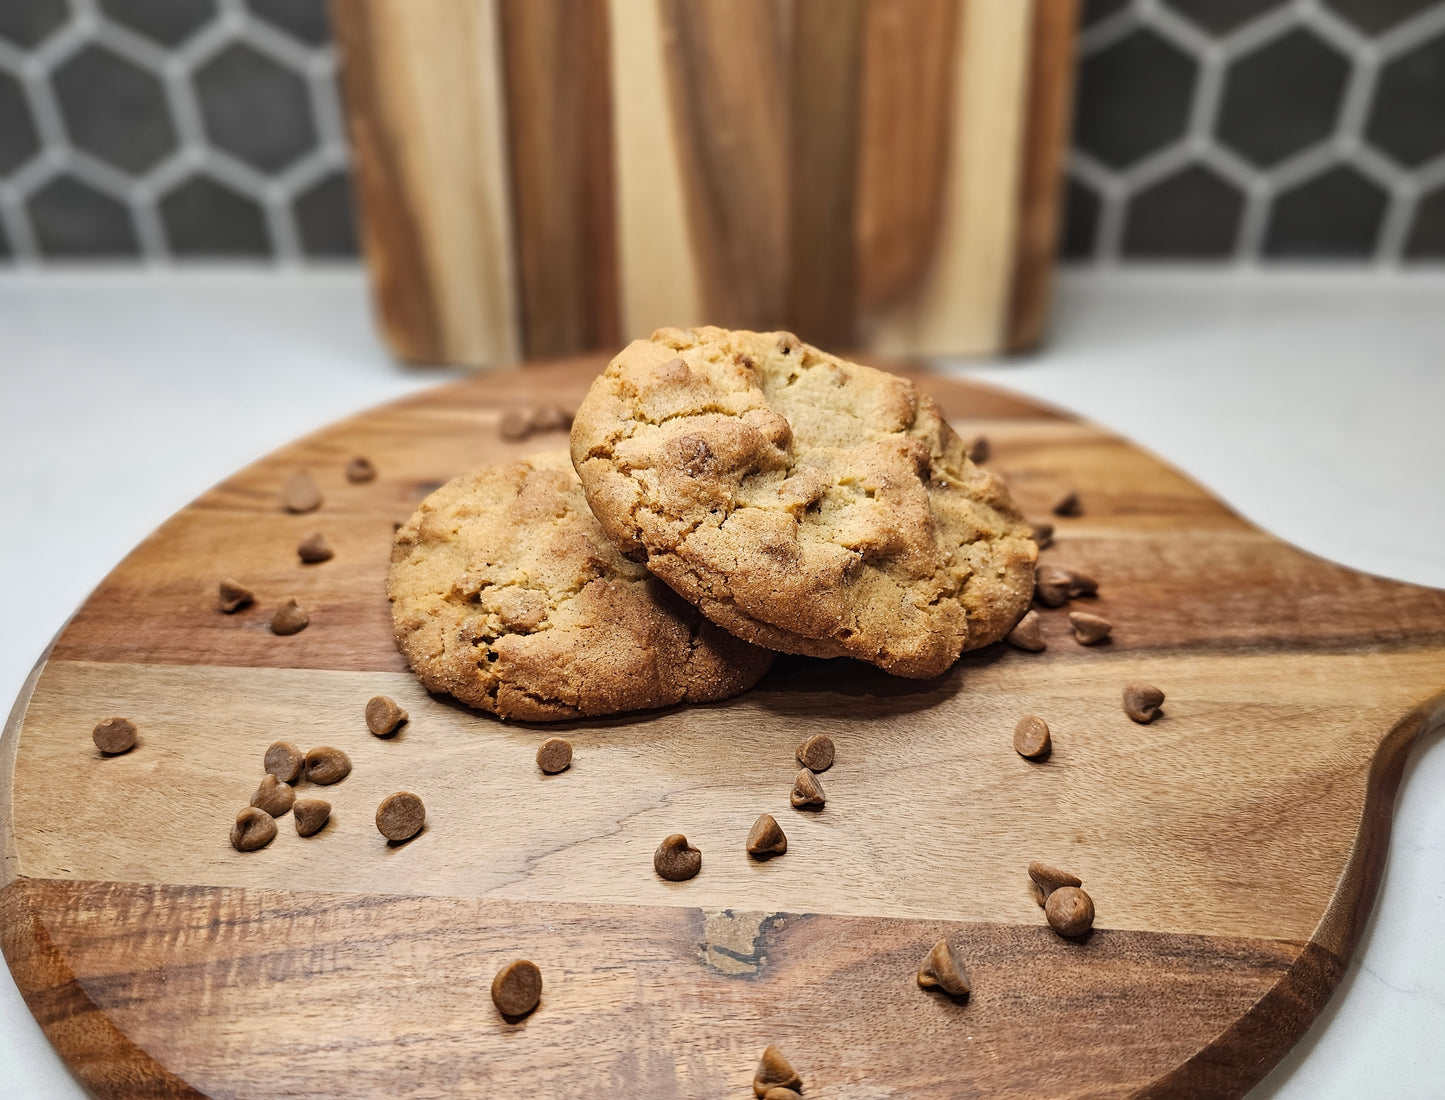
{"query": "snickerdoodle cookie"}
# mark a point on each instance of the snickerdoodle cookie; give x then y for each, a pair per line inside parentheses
(805, 503)
(507, 595)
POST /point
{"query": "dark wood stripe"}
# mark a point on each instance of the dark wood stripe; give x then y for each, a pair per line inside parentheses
(557, 82)
(827, 56)
(906, 132)
(107, 1062)
(1050, 103)
(232, 988)
(727, 66)
(401, 285)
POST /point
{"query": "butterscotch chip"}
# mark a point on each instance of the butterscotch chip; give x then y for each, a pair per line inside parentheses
(1043, 535)
(285, 761)
(780, 1093)
(326, 765)
(301, 493)
(943, 969)
(775, 1072)
(1070, 911)
(114, 735)
(360, 469)
(289, 618)
(978, 449)
(1031, 737)
(515, 425)
(1089, 629)
(400, 816)
(273, 796)
(1142, 702)
(1048, 878)
(315, 549)
(766, 838)
(676, 860)
(807, 792)
(1080, 584)
(234, 596)
(551, 418)
(1068, 505)
(383, 716)
(517, 988)
(507, 594)
(1051, 586)
(253, 829)
(816, 753)
(310, 814)
(554, 755)
(1028, 633)
(803, 502)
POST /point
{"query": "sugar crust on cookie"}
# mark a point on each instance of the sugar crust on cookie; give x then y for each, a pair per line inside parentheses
(805, 503)
(507, 595)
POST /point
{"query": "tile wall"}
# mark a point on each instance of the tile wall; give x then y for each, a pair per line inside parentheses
(1207, 130)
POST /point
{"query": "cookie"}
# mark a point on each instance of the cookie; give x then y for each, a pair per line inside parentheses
(805, 503)
(506, 594)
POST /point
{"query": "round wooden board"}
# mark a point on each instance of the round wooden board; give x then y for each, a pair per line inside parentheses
(1232, 847)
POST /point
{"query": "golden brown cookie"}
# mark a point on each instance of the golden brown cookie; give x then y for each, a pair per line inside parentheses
(805, 503)
(507, 595)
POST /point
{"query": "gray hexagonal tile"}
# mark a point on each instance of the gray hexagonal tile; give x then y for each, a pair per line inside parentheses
(302, 19)
(1223, 16)
(326, 219)
(1427, 232)
(169, 22)
(1282, 98)
(1336, 215)
(113, 110)
(1193, 214)
(28, 23)
(1133, 98)
(1096, 11)
(1081, 220)
(255, 109)
(203, 217)
(1374, 16)
(71, 220)
(1407, 118)
(18, 139)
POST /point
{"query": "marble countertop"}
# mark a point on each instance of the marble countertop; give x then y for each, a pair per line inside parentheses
(1307, 400)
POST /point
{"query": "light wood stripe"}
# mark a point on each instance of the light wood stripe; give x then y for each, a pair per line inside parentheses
(960, 306)
(660, 281)
(931, 814)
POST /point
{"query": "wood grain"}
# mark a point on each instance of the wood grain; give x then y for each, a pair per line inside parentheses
(1233, 847)
(636, 1001)
(559, 133)
(541, 177)
(1050, 107)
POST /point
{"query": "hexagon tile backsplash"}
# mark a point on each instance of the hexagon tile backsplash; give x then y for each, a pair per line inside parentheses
(1218, 130)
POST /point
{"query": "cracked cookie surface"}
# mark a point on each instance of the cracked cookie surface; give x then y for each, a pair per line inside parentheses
(506, 594)
(805, 503)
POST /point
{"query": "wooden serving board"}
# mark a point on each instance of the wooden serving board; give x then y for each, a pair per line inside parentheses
(1233, 847)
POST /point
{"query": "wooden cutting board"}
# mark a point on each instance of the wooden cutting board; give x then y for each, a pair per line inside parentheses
(1233, 847)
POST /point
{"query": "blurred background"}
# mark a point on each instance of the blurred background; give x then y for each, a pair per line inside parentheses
(1232, 131)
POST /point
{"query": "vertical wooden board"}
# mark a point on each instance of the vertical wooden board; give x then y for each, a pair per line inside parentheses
(559, 141)
(1050, 103)
(827, 51)
(657, 266)
(905, 130)
(436, 221)
(960, 306)
(728, 68)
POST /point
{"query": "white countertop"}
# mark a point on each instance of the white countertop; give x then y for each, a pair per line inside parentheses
(1306, 400)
